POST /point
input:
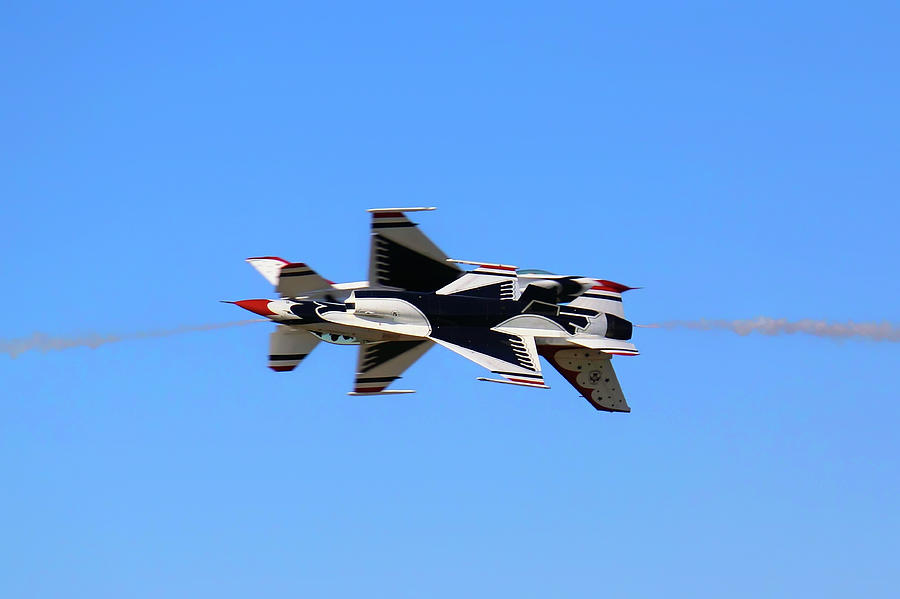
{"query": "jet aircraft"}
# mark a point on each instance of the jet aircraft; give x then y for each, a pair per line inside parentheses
(496, 315)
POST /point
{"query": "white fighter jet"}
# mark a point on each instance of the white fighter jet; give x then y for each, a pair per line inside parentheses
(496, 315)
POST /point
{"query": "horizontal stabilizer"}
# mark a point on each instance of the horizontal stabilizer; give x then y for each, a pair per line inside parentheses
(288, 347)
(381, 363)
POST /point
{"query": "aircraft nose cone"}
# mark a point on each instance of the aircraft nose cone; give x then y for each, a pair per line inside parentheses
(257, 306)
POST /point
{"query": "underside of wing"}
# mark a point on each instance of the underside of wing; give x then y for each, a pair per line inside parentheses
(590, 371)
(513, 357)
(380, 364)
(402, 257)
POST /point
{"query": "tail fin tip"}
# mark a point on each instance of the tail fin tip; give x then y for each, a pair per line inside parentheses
(604, 285)
(268, 266)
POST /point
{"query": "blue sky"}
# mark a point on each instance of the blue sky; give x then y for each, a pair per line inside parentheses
(735, 161)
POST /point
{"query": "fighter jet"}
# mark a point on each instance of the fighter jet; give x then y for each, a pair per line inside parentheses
(496, 315)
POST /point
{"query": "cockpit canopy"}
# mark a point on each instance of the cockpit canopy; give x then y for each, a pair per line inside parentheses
(535, 271)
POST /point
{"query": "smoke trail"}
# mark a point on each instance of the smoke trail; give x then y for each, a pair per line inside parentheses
(45, 343)
(874, 331)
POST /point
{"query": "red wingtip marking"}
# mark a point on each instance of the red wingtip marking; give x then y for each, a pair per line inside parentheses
(527, 382)
(387, 214)
(295, 265)
(282, 368)
(497, 266)
(257, 306)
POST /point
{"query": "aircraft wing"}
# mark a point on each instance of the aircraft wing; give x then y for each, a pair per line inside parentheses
(591, 372)
(401, 256)
(380, 364)
(514, 357)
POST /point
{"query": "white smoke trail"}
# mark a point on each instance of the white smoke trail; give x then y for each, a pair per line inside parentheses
(46, 343)
(873, 331)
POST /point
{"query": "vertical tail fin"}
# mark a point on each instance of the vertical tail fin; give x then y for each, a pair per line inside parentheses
(291, 279)
(268, 266)
(605, 296)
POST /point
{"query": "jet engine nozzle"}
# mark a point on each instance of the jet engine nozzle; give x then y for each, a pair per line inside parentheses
(618, 328)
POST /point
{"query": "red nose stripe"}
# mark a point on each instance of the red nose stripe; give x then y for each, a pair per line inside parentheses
(257, 306)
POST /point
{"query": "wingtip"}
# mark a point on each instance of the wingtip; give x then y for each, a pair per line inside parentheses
(534, 385)
(411, 209)
(385, 392)
(484, 264)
